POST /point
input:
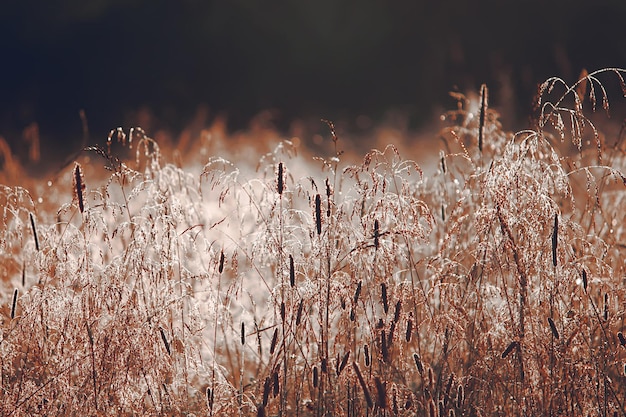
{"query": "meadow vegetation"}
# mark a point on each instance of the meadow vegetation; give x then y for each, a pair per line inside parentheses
(301, 286)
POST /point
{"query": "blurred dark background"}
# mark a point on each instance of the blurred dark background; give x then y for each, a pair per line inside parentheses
(335, 59)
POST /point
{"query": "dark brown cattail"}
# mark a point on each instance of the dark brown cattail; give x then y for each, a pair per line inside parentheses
(366, 350)
(409, 330)
(274, 340)
(32, 223)
(352, 314)
(553, 328)
(165, 342)
(292, 272)
(509, 349)
(443, 212)
(243, 333)
(324, 365)
(449, 386)
(382, 393)
(584, 273)
(299, 314)
(282, 310)
(446, 340)
(343, 363)
(383, 346)
(418, 363)
(606, 306)
(396, 313)
(555, 238)
(392, 329)
(260, 411)
(328, 193)
(432, 408)
(395, 403)
(357, 292)
(481, 115)
(280, 178)
(267, 386)
(443, 161)
(318, 214)
(622, 339)
(220, 268)
(23, 274)
(14, 303)
(459, 396)
(366, 392)
(79, 187)
(210, 397)
(276, 383)
(376, 234)
(383, 288)
(315, 377)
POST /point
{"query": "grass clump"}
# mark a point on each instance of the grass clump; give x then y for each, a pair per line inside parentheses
(493, 286)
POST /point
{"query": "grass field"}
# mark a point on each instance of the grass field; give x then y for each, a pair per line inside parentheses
(211, 284)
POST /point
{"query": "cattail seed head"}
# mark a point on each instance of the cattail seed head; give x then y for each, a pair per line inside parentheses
(274, 341)
(315, 377)
(165, 342)
(79, 187)
(481, 115)
(328, 193)
(267, 386)
(509, 349)
(622, 339)
(282, 311)
(584, 274)
(292, 272)
(366, 351)
(383, 346)
(280, 185)
(299, 313)
(220, 268)
(366, 392)
(382, 393)
(396, 314)
(210, 397)
(32, 224)
(357, 292)
(418, 363)
(318, 214)
(553, 328)
(343, 363)
(376, 234)
(276, 383)
(409, 331)
(383, 288)
(606, 306)
(555, 239)
(14, 303)
(243, 333)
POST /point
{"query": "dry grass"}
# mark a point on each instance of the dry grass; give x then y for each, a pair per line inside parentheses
(494, 286)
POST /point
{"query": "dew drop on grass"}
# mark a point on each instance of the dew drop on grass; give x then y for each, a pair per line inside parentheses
(49, 183)
(40, 200)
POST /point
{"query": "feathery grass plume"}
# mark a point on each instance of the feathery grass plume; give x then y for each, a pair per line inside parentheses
(243, 333)
(299, 313)
(220, 267)
(418, 363)
(165, 342)
(553, 328)
(267, 387)
(366, 353)
(318, 214)
(79, 186)
(383, 290)
(274, 341)
(32, 224)
(584, 276)
(357, 292)
(509, 349)
(481, 115)
(555, 239)
(366, 391)
(581, 89)
(280, 185)
(14, 304)
(382, 393)
(292, 272)
(622, 339)
(316, 377)
(376, 234)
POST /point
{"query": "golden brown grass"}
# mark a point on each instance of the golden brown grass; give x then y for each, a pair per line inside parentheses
(493, 286)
